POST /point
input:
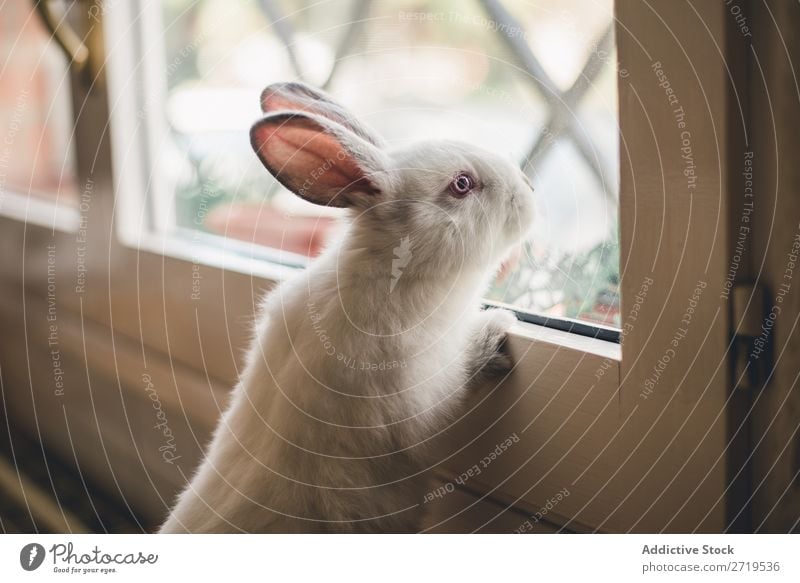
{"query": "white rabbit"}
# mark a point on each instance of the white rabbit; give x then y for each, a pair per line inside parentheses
(364, 357)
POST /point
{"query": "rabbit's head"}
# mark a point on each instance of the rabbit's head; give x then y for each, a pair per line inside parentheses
(452, 204)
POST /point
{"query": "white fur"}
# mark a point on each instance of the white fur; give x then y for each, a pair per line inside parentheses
(310, 444)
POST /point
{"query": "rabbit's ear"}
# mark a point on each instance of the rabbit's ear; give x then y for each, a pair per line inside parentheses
(294, 96)
(318, 160)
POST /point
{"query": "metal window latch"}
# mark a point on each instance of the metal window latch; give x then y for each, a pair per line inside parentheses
(753, 320)
(84, 54)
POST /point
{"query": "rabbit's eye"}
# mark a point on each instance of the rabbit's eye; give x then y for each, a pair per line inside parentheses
(462, 184)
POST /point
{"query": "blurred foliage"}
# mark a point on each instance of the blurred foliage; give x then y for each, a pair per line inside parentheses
(581, 283)
(210, 181)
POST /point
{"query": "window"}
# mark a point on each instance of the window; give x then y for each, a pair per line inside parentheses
(535, 83)
(632, 459)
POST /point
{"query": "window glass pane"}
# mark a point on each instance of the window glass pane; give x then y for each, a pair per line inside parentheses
(35, 109)
(535, 81)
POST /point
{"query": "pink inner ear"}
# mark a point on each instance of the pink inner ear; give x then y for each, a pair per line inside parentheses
(275, 101)
(309, 161)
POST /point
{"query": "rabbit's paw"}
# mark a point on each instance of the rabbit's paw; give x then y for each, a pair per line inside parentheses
(492, 357)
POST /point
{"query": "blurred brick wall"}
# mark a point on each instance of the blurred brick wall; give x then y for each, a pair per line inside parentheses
(35, 108)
